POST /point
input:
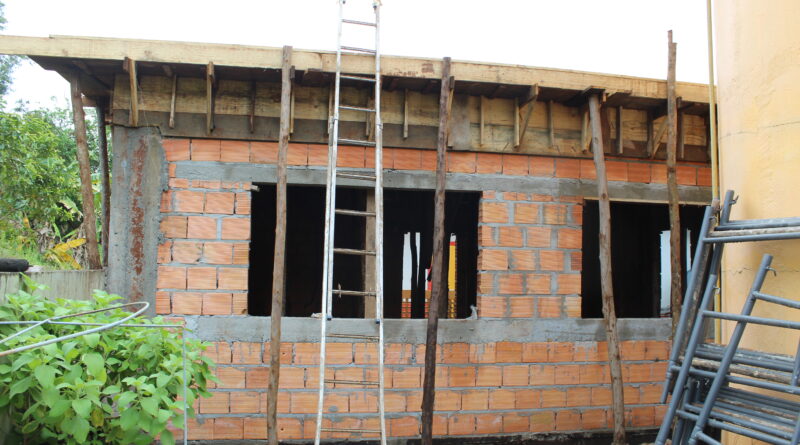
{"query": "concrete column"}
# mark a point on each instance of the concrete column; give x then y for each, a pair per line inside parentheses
(139, 175)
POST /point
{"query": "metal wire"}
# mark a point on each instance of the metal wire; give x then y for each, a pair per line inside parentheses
(99, 328)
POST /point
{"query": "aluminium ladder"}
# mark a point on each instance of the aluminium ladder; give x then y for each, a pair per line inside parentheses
(331, 211)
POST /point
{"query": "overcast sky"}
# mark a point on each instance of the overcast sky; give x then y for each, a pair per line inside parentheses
(612, 36)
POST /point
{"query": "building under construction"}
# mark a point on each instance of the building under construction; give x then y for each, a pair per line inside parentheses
(521, 351)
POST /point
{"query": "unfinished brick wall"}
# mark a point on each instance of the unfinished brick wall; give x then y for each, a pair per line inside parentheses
(529, 267)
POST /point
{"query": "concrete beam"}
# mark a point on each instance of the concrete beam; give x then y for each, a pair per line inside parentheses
(424, 180)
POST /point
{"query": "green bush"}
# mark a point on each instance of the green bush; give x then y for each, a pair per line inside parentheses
(121, 385)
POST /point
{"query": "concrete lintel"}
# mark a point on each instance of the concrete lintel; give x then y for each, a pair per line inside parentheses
(424, 180)
(302, 329)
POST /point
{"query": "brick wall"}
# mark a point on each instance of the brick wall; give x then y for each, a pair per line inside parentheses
(529, 267)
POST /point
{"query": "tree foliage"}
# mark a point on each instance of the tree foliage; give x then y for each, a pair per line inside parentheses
(7, 63)
(117, 386)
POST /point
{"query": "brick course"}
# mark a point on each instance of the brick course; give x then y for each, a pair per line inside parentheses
(529, 266)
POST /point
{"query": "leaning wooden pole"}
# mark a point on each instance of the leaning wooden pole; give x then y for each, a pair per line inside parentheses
(607, 290)
(278, 274)
(105, 179)
(429, 382)
(87, 196)
(672, 188)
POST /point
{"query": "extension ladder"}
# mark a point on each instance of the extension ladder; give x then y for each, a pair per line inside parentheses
(330, 251)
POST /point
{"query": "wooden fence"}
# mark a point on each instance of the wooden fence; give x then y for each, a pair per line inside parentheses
(74, 284)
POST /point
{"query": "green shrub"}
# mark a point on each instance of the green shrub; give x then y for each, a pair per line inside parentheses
(121, 385)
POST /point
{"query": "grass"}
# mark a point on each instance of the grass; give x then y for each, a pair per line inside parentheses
(9, 249)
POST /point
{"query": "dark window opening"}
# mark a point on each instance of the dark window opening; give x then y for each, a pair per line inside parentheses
(408, 233)
(636, 256)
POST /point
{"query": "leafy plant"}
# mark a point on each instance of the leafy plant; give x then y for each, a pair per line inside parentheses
(60, 253)
(121, 385)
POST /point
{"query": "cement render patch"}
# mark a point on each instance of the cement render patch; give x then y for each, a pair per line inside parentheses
(301, 329)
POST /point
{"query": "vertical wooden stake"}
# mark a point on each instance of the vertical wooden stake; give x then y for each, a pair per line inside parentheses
(87, 197)
(516, 122)
(619, 131)
(210, 83)
(606, 285)
(650, 133)
(405, 113)
(253, 91)
(105, 180)
(280, 253)
(672, 188)
(133, 83)
(172, 101)
(551, 126)
(483, 120)
(531, 99)
(438, 266)
(585, 138)
(681, 133)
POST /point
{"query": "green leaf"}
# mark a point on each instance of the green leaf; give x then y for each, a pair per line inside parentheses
(95, 365)
(167, 438)
(59, 408)
(111, 389)
(129, 419)
(91, 339)
(150, 406)
(80, 429)
(125, 398)
(164, 415)
(49, 396)
(20, 386)
(45, 375)
(162, 379)
(82, 407)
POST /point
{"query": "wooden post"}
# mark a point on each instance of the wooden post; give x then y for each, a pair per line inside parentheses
(133, 82)
(105, 181)
(609, 314)
(87, 197)
(672, 188)
(280, 253)
(438, 266)
(172, 101)
(620, 134)
(211, 82)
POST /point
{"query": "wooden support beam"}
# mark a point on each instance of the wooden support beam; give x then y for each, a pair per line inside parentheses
(439, 267)
(452, 84)
(87, 196)
(672, 187)
(662, 129)
(483, 121)
(586, 139)
(620, 135)
(105, 181)
(606, 285)
(516, 123)
(130, 66)
(405, 113)
(291, 113)
(211, 83)
(650, 133)
(331, 94)
(278, 275)
(551, 126)
(530, 102)
(681, 138)
(252, 113)
(369, 121)
(167, 70)
(172, 100)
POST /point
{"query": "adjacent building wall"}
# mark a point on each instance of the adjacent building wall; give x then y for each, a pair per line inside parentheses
(758, 46)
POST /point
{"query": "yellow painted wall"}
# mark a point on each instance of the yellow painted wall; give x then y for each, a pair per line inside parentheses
(758, 72)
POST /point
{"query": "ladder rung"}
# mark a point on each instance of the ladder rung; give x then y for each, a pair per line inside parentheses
(358, 22)
(355, 176)
(359, 293)
(352, 382)
(355, 336)
(353, 251)
(354, 212)
(348, 430)
(350, 107)
(359, 78)
(357, 142)
(358, 50)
